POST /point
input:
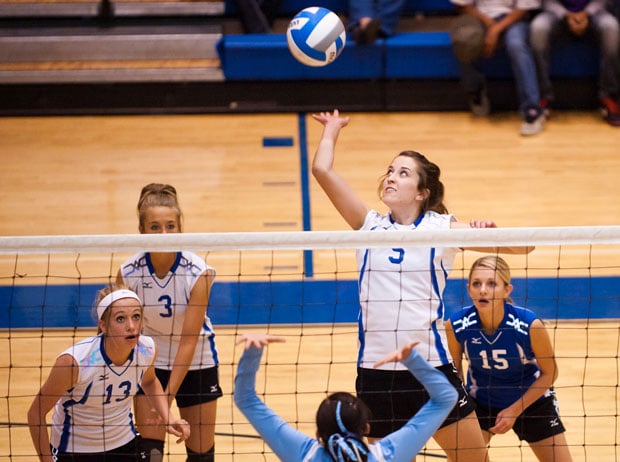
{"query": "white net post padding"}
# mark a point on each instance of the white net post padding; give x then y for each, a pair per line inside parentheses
(308, 240)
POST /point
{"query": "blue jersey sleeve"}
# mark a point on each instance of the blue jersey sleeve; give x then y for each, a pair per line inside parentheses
(405, 443)
(286, 442)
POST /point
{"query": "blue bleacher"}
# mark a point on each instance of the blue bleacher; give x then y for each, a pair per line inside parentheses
(408, 55)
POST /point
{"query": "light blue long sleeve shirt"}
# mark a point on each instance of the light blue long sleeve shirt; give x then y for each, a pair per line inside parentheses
(292, 445)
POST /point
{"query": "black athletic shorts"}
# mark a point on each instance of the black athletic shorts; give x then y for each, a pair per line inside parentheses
(126, 453)
(538, 422)
(395, 396)
(200, 386)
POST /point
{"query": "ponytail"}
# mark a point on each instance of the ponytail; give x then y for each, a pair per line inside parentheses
(342, 419)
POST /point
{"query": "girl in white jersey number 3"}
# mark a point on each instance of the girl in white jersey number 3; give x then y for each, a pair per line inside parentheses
(175, 288)
(401, 292)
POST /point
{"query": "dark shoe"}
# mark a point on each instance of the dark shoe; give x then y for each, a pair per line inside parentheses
(479, 103)
(610, 109)
(368, 34)
(533, 121)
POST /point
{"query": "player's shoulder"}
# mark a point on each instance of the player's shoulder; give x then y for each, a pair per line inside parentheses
(193, 262)
(464, 320)
(375, 221)
(137, 260)
(521, 312)
(464, 312)
(436, 220)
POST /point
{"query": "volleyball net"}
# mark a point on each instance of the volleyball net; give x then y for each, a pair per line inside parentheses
(303, 285)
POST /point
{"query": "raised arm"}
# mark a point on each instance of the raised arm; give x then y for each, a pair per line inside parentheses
(62, 377)
(406, 442)
(286, 442)
(346, 201)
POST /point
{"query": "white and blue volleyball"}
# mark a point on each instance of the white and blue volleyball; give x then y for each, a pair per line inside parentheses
(316, 36)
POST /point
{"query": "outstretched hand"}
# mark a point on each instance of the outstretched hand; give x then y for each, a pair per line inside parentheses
(397, 356)
(327, 118)
(180, 428)
(258, 340)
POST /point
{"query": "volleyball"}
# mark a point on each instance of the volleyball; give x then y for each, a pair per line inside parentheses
(316, 36)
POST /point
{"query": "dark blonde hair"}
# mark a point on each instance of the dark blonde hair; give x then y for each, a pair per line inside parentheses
(158, 195)
(429, 174)
(496, 264)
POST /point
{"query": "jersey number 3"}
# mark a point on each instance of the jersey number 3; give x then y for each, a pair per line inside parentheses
(167, 306)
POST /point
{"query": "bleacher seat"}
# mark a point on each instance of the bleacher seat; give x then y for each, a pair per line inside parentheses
(408, 55)
(266, 57)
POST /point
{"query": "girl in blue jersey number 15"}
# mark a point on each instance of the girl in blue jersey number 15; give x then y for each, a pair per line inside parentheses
(401, 291)
(511, 360)
(91, 386)
(342, 420)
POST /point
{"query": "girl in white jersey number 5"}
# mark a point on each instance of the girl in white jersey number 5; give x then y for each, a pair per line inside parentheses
(401, 292)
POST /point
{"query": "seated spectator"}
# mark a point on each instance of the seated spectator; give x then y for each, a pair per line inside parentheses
(369, 19)
(479, 31)
(257, 16)
(563, 20)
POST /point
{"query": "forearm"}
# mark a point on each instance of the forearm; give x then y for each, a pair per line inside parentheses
(38, 431)
(182, 360)
(511, 18)
(532, 394)
(323, 161)
(157, 399)
(473, 11)
(286, 442)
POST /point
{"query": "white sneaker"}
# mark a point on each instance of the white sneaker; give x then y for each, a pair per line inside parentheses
(533, 122)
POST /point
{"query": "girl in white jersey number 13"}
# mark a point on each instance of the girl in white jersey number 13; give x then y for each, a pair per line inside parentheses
(401, 292)
(91, 386)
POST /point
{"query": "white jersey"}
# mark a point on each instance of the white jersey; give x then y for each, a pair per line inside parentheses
(401, 294)
(165, 303)
(95, 414)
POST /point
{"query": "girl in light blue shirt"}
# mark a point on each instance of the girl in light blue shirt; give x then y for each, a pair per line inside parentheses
(342, 419)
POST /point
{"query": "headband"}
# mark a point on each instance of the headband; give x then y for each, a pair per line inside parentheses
(113, 297)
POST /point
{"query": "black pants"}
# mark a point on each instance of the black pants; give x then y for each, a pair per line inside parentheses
(126, 453)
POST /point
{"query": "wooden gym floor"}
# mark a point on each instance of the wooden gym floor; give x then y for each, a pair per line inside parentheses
(82, 175)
